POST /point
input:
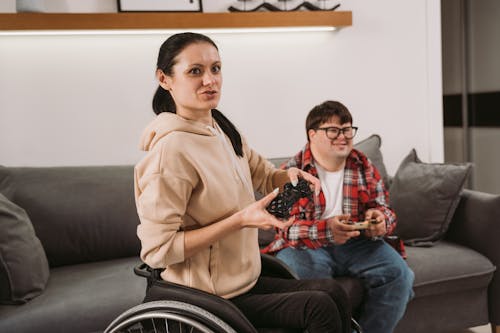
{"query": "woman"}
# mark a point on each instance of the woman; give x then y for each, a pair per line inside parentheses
(195, 198)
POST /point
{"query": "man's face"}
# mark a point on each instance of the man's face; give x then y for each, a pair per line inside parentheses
(324, 142)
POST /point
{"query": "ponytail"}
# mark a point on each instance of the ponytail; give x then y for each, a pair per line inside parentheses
(230, 130)
(163, 101)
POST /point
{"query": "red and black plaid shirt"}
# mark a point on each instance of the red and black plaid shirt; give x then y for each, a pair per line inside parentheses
(363, 189)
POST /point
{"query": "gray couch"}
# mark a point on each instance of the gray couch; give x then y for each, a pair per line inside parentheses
(86, 221)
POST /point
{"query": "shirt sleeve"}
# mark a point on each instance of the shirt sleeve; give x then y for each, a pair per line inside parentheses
(162, 192)
(310, 234)
(379, 197)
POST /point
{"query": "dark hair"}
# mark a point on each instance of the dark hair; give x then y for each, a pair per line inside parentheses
(163, 101)
(324, 112)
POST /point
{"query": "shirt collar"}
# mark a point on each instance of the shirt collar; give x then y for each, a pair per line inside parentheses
(354, 158)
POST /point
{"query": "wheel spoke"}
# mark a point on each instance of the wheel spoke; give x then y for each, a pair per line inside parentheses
(154, 326)
(168, 317)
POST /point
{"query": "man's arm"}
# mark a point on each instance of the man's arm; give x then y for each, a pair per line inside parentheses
(308, 234)
(379, 200)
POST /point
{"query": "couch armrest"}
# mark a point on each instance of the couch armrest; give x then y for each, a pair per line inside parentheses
(476, 224)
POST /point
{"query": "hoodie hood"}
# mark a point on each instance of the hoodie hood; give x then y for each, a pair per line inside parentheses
(167, 122)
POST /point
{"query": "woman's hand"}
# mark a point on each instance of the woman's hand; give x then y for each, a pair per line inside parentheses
(295, 173)
(256, 215)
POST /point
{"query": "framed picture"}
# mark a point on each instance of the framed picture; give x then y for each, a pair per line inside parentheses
(160, 6)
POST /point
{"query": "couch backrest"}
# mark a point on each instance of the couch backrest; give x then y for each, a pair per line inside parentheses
(80, 214)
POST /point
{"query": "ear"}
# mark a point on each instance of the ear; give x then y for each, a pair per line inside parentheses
(311, 133)
(163, 79)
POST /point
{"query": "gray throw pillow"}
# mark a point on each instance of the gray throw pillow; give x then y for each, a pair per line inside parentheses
(424, 197)
(24, 270)
(371, 148)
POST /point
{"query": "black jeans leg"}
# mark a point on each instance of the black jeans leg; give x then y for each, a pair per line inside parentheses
(318, 306)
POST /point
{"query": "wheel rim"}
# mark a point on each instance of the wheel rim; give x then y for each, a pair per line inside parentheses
(170, 321)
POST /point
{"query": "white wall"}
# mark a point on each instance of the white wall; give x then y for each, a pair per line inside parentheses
(83, 100)
(8, 6)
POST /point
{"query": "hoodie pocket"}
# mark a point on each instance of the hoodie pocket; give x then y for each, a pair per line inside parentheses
(213, 264)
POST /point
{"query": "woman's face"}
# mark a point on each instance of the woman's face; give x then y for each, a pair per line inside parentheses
(196, 82)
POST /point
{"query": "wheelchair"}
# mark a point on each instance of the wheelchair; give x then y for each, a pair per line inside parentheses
(188, 310)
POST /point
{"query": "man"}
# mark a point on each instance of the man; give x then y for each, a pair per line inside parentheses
(322, 242)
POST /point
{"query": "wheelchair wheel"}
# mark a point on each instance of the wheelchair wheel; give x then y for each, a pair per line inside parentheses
(168, 317)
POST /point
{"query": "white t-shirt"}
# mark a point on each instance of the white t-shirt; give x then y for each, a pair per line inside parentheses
(332, 184)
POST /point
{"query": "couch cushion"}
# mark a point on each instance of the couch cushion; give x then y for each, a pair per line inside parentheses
(24, 269)
(371, 148)
(79, 298)
(80, 214)
(448, 267)
(424, 197)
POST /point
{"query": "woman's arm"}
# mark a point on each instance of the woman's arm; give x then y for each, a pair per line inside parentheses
(265, 176)
(253, 216)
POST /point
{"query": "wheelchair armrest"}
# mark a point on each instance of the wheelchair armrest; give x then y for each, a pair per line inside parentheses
(142, 270)
(147, 272)
(222, 308)
(159, 289)
(272, 266)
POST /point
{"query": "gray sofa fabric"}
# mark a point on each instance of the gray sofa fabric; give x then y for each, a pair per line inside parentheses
(80, 214)
(86, 220)
(475, 225)
(19, 249)
(454, 268)
(78, 298)
(432, 187)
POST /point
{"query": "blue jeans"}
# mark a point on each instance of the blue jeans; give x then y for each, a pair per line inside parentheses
(387, 278)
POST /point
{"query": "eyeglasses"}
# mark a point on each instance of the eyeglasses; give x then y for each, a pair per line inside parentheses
(333, 132)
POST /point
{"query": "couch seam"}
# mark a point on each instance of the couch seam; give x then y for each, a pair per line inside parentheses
(454, 278)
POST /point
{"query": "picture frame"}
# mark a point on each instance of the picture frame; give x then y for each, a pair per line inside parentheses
(160, 6)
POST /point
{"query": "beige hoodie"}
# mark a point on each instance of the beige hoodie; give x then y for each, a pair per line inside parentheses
(191, 178)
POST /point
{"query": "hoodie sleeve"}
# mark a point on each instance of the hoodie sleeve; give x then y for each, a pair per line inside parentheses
(265, 177)
(162, 191)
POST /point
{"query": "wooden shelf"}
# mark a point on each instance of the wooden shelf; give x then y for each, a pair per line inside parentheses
(158, 20)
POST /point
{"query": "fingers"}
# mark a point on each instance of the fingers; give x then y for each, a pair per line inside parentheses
(287, 223)
(265, 201)
(342, 232)
(342, 237)
(343, 217)
(294, 173)
(311, 179)
(378, 229)
(282, 224)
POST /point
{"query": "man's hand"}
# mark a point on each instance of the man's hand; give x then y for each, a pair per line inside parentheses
(375, 229)
(341, 231)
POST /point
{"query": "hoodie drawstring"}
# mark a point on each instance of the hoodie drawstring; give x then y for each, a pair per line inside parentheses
(218, 133)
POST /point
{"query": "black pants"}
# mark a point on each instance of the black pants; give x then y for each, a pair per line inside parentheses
(318, 306)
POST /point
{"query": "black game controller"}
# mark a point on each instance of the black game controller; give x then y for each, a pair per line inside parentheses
(282, 204)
